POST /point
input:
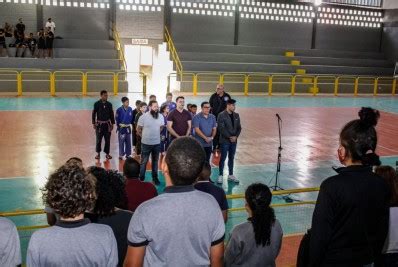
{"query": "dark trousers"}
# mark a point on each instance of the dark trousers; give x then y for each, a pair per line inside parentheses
(216, 144)
(390, 260)
(102, 131)
(229, 150)
(154, 151)
(137, 144)
(208, 151)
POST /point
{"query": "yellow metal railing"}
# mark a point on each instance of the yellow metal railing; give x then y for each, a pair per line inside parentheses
(70, 76)
(173, 52)
(292, 81)
(233, 196)
(119, 47)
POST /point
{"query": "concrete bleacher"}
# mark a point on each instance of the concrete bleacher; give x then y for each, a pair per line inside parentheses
(69, 54)
(201, 58)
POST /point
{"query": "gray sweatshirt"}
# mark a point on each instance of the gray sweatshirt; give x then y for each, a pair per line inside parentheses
(243, 251)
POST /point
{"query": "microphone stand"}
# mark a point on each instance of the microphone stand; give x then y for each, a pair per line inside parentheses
(276, 186)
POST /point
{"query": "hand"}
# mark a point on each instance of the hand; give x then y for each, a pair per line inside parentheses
(209, 140)
(111, 127)
(233, 139)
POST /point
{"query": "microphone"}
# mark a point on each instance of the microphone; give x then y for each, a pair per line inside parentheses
(279, 117)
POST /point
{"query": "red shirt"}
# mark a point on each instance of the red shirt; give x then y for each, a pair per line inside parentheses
(139, 192)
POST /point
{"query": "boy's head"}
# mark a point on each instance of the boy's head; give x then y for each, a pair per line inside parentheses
(131, 168)
(183, 162)
(169, 97)
(137, 104)
(194, 108)
(70, 191)
(152, 98)
(205, 173)
(143, 106)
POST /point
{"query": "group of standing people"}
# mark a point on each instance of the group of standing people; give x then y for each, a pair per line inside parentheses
(150, 128)
(40, 47)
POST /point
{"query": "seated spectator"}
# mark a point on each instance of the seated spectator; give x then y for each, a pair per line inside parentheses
(32, 43)
(258, 241)
(73, 240)
(20, 45)
(137, 191)
(10, 248)
(50, 25)
(350, 220)
(49, 43)
(41, 44)
(109, 207)
(205, 184)
(182, 226)
(3, 42)
(20, 27)
(53, 217)
(390, 249)
(8, 29)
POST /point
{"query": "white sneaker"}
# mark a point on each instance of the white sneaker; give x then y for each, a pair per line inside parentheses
(220, 179)
(232, 178)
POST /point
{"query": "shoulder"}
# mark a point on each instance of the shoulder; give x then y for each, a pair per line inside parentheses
(6, 225)
(101, 229)
(242, 227)
(109, 103)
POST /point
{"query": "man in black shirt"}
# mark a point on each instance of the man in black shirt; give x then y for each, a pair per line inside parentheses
(20, 27)
(218, 103)
(103, 120)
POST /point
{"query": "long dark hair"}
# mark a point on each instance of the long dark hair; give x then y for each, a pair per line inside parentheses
(391, 178)
(359, 137)
(258, 197)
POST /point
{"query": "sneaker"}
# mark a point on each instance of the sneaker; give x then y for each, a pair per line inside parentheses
(220, 179)
(156, 181)
(232, 178)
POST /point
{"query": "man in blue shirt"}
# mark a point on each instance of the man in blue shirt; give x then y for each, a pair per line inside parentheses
(124, 119)
(169, 101)
(205, 126)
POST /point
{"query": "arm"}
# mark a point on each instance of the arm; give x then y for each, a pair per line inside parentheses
(140, 125)
(217, 255)
(117, 118)
(134, 257)
(112, 115)
(222, 127)
(139, 130)
(321, 231)
(239, 127)
(201, 134)
(225, 215)
(232, 250)
(189, 128)
(171, 130)
(94, 114)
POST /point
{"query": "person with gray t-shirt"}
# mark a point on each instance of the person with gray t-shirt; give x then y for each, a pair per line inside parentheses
(258, 241)
(149, 127)
(10, 248)
(73, 241)
(182, 226)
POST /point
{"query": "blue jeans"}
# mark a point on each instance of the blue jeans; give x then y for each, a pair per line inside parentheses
(124, 144)
(229, 150)
(154, 151)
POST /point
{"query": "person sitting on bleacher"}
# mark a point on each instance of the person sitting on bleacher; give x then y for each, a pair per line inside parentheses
(73, 240)
(32, 43)
(41, 44)
(20, 43)
(3, 42)
(8, 29)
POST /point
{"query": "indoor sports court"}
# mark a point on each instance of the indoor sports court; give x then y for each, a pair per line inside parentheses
(299, 70)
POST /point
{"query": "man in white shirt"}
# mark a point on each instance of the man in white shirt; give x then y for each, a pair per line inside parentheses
(50, 24)
(149, 127)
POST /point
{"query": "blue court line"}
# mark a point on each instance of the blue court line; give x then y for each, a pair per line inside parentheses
(388, 104)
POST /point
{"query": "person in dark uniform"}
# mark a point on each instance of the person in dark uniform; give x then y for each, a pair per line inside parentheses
(103, 120)
(49, 43)
(41, 44)
(218, 103)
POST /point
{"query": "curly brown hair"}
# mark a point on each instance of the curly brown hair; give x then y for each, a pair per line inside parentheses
(70, 191)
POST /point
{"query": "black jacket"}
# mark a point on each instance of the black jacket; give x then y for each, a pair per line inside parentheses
(218, 104)
(350, 221)
(103, 111)
(225, 127)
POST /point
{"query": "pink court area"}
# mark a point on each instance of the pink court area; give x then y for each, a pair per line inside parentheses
(34, 143)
